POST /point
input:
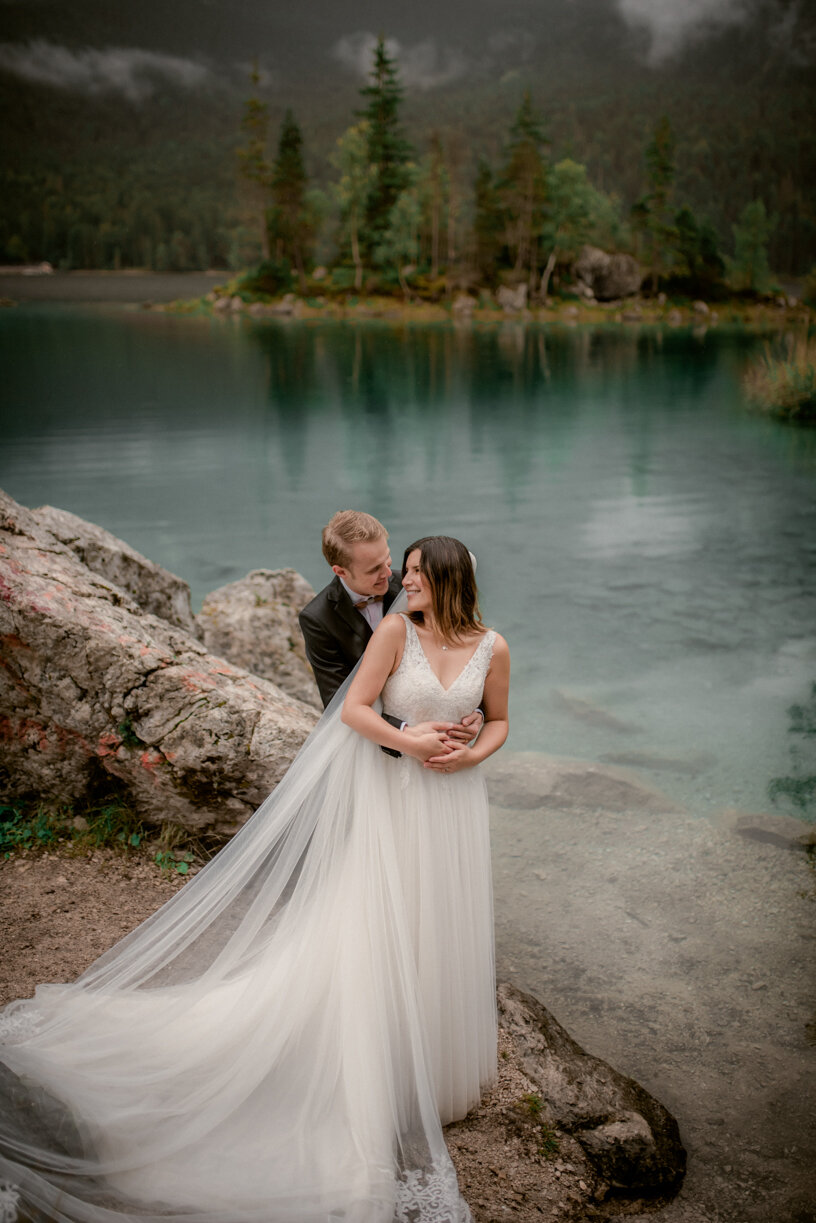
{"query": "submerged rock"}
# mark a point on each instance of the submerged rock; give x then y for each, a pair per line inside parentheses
(593, 715)
(783, 830)
(93, 687)
(529, 781)
(687, 765)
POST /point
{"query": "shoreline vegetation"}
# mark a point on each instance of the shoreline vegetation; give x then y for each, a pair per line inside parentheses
(230, 300)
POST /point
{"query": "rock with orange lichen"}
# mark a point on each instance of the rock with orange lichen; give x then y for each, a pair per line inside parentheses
(93, 687)
(153, 588)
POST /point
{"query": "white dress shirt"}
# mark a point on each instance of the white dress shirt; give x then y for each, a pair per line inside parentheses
(372, 612)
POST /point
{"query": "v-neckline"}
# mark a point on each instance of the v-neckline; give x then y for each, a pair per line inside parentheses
(456, 679)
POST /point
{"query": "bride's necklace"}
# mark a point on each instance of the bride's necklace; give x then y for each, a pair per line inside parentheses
(434, 640)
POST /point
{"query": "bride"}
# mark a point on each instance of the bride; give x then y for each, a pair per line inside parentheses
(284, 1039)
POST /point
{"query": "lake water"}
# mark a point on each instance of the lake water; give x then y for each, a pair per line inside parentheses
(646, 545)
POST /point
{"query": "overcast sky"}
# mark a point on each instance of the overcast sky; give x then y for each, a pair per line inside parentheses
(96, 46)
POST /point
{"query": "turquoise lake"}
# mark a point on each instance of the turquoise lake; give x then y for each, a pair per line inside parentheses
(645, 543)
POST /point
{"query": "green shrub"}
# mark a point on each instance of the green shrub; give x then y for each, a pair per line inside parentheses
(273, 277)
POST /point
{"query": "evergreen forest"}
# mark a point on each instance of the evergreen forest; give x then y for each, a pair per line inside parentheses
(707, 177)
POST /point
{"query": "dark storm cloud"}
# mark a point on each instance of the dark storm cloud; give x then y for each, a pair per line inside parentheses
(126, 70)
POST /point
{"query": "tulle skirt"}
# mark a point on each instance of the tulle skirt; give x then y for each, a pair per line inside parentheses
(279, 1043)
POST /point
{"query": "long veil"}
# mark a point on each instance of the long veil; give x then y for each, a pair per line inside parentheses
(253, 1052)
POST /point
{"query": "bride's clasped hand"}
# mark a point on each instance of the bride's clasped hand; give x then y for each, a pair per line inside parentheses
(283, 1041)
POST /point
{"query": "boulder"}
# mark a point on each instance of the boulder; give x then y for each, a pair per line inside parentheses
(608, 276)
(512, 298)
(463, 305)
(154, 589)
(630, 1139)
(253, 623)
(94, 688)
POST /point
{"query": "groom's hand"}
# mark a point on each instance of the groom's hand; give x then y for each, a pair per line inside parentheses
(467, 730)
(430, 728)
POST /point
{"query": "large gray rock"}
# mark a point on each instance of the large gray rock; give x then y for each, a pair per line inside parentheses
(512, 298)
(154, 589)
(93, 687)
(254, 624)
(630, 1139)
(608, 276)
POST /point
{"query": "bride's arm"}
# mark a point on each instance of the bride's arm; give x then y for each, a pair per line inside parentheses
(381, 657)
(496, 725)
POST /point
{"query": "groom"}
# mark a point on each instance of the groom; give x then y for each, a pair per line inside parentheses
(339, 621)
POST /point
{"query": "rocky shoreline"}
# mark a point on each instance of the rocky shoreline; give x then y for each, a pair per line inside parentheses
(487, 310)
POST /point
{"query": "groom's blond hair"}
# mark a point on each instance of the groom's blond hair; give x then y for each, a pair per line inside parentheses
(346, 528)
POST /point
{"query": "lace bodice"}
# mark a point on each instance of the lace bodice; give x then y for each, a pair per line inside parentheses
(414, 693)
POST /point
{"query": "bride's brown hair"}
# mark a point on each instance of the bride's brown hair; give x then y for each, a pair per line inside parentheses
(448, 569)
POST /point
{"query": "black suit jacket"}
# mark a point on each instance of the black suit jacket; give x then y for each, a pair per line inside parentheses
(336, 634)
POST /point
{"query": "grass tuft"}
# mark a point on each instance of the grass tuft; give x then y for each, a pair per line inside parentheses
(782, 381)
(110, 824)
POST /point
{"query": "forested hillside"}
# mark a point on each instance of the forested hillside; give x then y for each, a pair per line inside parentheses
(106, 181)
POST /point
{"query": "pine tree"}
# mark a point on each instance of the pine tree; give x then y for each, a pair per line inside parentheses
(487, 222)
(699, 265)
(523, 190)
(290, 227)
(652, 211)
(388, 151)
(253, 165)
(749, 268)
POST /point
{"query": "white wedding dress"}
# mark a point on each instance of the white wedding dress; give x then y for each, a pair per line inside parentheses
(279, 1042)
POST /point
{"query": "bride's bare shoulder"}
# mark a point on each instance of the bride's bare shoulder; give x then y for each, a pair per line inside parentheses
(500, 647)
(391, 628)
